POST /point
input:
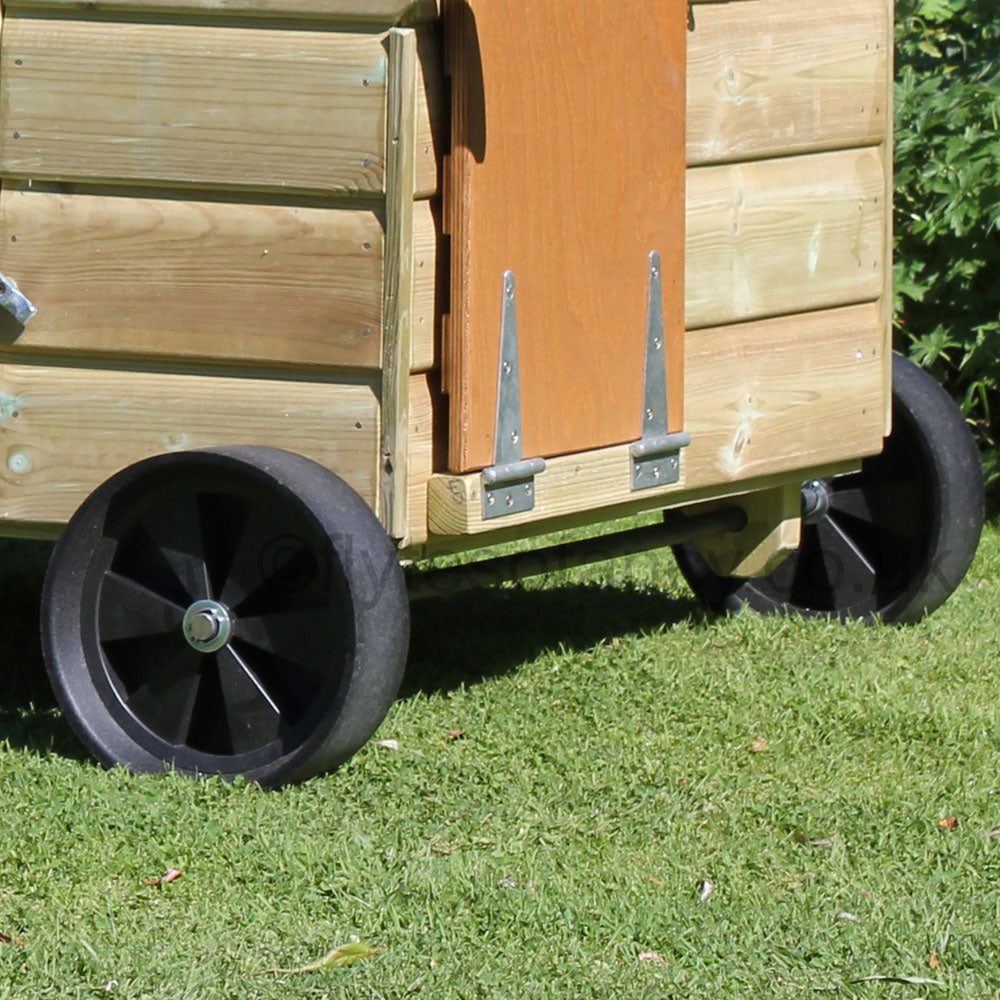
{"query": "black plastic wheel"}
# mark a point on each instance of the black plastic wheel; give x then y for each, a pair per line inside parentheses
(890, 542)
(237, 611)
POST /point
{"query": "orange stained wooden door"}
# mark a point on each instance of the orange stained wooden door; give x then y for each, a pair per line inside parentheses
(567, 168)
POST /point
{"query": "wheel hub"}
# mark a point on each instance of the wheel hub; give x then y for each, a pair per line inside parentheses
(816, 497)
(207, 626)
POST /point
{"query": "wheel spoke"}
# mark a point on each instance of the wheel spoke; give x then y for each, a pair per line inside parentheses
(292, 686)
(810, 585)
(157, 677)
(166, 709)
(894, 507)
(208, 728)
(164, 552)
(223, 520)
(273, 566)
(139, 558)
(846, 576)
(253, 717)
(127, 610)
(897, 556)
(305, 638)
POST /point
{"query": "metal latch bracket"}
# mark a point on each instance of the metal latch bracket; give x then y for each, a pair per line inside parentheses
(15, 301)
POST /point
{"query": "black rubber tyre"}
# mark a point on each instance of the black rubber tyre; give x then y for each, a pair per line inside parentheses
(236, 611)
(897, 537)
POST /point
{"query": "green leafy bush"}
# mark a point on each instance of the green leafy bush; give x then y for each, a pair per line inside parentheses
(948, 202)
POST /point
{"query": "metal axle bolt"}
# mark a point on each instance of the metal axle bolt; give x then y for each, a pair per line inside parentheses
(207, 626)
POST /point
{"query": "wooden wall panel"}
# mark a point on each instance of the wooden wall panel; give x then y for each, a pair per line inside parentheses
(65, 430)
(203, 280)
(192, 104)
(784, 236)
(774, 77)
(764, 400)
(380, 12)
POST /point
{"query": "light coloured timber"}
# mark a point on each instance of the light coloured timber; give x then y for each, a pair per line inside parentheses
(192, 104)
(64, 430)
(220, 282)
(773, 531)
(763, 400)
(398, 282)
(432, 124)
(783, 236)
(777, 77)
(425, 260)
(421, 456)
(206, 280)
(888, 154)
(367, 12)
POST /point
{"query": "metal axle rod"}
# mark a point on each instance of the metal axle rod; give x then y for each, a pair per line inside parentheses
(675, 528)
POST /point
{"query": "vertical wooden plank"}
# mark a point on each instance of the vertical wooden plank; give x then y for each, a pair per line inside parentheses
(888, 149)
(398, 279)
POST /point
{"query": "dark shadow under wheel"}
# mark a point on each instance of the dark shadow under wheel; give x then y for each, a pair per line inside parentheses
(237, 611)
(892, 541)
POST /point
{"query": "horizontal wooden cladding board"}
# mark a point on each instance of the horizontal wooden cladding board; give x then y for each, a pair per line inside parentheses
(380, 12)
(65, 430)
(192, 104)
(210, 281)
(775, 77)
(762, 399)
(784, 236)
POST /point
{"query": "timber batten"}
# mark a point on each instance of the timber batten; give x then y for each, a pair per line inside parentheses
(346, 12)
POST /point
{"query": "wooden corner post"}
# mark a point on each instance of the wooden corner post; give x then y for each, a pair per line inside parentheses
(397, 306)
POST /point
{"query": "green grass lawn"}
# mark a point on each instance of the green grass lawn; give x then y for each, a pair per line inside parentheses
(620, 749)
